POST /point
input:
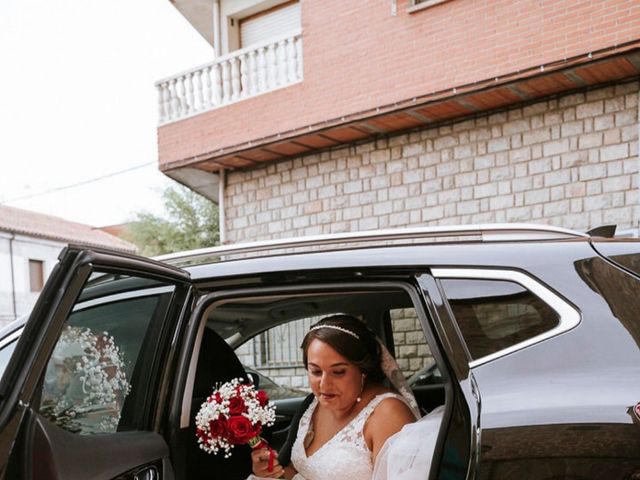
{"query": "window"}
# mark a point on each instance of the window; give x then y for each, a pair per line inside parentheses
(495, 314)
(267, 333)
(415, 5)
(36, 275)
(277, 352)
(270, 23)
(101, 365)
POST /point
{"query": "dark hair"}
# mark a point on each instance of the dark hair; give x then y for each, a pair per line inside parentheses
(364, 351)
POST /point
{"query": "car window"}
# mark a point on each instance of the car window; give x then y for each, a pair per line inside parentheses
(412, 351)
(276, 353)
(495, 314)
(102, 360)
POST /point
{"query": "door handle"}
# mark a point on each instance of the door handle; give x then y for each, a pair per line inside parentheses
(635, 413)
(149, 473)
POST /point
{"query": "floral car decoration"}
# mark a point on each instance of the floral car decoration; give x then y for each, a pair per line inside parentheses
(85, 383)
(234, 414)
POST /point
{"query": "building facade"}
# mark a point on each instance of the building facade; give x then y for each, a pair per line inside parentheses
(29, 247)
(347, 116)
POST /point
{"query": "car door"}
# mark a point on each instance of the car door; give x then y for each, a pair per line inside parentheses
(79, 397)
(458, 452)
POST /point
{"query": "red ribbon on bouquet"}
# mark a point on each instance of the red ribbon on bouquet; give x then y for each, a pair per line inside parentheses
(261, 443)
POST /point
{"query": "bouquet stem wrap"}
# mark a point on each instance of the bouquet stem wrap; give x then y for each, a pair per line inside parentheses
(259, 442)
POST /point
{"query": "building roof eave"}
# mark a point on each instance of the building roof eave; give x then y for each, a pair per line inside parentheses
(521, 87)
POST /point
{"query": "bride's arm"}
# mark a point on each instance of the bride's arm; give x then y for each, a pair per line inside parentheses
(388, 418)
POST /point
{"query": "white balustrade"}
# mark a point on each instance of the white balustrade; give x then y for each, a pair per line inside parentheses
(241, 74)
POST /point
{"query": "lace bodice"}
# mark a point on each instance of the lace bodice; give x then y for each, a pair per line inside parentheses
(346, 453)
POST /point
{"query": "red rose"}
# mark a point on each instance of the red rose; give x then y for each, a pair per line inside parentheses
(218, 427)
(240, 430)
(262, 398)
(236, 406)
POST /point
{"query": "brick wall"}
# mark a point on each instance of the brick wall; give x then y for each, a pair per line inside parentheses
(570, 161)
(358, 56)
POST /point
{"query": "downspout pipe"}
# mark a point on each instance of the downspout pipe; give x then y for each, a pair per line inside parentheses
(636, 209)
(217, 48)
(13, 276)
(222, 179)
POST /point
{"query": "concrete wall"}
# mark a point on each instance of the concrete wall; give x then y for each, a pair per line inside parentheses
(19, 250)
(570, 161)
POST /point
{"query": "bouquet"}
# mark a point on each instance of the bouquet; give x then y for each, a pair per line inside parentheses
(234, 414)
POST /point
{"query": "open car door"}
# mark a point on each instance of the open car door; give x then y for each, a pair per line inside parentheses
(80, 397)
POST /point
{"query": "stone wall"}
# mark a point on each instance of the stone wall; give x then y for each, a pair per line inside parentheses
(412, 351)
(570, 161)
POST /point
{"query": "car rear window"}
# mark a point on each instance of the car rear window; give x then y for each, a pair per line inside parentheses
(496, 314)
(625, 253)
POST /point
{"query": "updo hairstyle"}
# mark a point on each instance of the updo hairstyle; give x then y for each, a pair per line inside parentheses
(364, 352)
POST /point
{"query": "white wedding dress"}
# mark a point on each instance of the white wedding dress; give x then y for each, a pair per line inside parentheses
(407, 455)
(345, 455)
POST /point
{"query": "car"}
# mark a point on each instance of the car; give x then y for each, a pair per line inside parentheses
(275, 391)
(527, 336)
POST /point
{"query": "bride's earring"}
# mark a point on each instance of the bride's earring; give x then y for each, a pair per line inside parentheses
(359, 397)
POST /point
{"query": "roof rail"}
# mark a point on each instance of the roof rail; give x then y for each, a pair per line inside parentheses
(485, 232)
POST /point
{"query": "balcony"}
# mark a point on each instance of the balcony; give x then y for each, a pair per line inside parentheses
(242, 74)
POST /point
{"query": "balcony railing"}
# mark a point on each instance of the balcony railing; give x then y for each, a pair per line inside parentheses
(241, 74)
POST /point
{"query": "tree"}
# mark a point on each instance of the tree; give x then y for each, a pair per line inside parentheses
(191, 222)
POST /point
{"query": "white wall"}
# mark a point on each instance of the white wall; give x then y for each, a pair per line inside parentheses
(21, 249)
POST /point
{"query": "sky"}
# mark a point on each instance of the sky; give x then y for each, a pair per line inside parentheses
(78, 105)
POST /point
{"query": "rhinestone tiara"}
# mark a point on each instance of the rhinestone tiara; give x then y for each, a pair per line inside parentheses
(335, 327)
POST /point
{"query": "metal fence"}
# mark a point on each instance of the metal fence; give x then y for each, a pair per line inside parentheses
(280, 346)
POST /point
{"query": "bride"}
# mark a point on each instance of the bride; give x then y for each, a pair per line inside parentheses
(353, 414)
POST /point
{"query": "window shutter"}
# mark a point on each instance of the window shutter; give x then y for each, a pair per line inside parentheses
(259, 28)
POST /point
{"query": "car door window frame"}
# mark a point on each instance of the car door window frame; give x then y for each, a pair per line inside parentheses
(568, 316)
(464, 429)
(42, 330)
(181, 398)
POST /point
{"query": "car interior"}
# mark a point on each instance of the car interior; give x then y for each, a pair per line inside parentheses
(236, 326)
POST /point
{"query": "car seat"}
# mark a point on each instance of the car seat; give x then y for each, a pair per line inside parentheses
(217, 363)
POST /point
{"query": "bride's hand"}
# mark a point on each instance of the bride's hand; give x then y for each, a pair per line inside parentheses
(260, 461)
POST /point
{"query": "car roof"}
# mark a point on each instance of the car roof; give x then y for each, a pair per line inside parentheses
(496, 254)
(452, 233)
